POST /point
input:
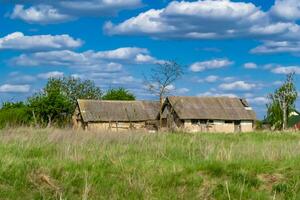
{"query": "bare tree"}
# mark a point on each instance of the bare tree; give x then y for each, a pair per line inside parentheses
(284, 98)
(159, 83)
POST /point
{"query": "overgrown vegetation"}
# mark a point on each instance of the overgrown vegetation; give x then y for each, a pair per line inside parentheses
(282, 103)
(119, 94)
(54, 105)
(14, 115)
(56, 164)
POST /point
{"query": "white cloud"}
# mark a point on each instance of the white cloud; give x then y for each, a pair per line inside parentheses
(170, 87)
(182, 90)
(214, 78)
(131, 54)
(229, 79)
(250, 65)
(227, 19)
(17, 77)
(277, 47)
(142, 58)
(209, 79)
(286, 70)
(18, 41)
(43, 14)
(258, 100)
(189, 20)
(215, 94)
(111, 60)
(286, 9)
(8, 88)
(125, 80)
(237, 85)
(210, 64)
(48, 12)
(185, 19)
(105, 68)
(54, 74)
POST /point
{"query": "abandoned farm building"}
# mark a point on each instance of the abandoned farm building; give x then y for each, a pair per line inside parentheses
(208, 114)
(115, 115)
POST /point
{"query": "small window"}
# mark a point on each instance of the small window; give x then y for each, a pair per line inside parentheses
(211, 121)
(228, 122)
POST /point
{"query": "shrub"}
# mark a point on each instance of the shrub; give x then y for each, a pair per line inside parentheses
(14, 114)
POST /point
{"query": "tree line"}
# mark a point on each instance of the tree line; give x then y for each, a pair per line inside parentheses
(55, 104)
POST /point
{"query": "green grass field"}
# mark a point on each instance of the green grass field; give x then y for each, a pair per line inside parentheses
(58, 164)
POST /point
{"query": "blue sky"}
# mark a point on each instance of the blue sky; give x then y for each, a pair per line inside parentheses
(227, 48)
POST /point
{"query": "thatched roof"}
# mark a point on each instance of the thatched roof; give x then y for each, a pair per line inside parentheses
(215, 108)
(117, 111)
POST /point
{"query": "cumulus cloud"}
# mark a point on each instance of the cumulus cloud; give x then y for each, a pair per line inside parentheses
(111, 60)
(49, 12)
(8, 88)
(216, 94)
(184, 19)
(123, 80)
(18, 77)
(190, 19)
(226, 19)
(277, 47)
(182, 90)
(170, 89)
(18, 41)
(214, 78)
(209, 79)
(210, 64)
(53, 74)
(286, 9)
(250, 65)
(237, 85)
(43, 14)
(258, 100)
(286, 70)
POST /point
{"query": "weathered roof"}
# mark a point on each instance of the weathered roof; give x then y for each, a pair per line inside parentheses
(121, 111)
(222, 108)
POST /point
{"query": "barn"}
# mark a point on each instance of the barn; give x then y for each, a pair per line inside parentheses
(115, 115)
(208, 114)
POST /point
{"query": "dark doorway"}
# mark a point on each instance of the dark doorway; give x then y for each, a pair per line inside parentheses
(237, 126)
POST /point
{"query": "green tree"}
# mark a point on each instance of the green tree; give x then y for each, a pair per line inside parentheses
(51, 105)
(57, 101)
(119, 94)
(274, 115)
(282, 103)
(75, 88)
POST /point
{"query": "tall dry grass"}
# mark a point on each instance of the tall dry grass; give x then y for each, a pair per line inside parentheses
(53, 163)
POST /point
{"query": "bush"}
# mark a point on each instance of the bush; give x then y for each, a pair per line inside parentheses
(14, 114)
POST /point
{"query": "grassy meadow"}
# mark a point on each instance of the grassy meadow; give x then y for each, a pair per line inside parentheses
(62, 164)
